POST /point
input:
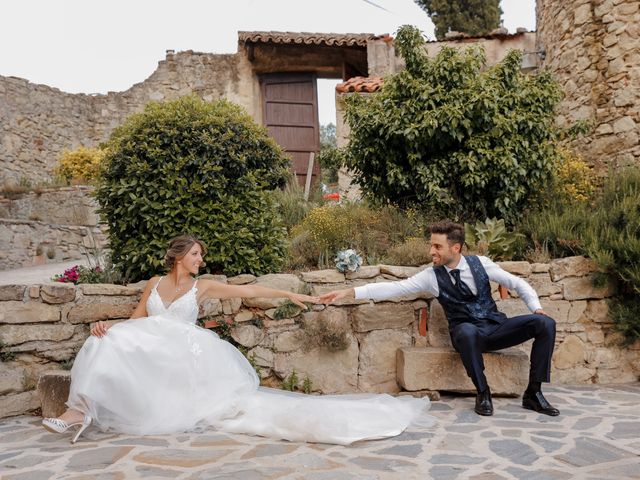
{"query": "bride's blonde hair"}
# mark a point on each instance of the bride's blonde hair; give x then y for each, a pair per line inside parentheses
(179, 246)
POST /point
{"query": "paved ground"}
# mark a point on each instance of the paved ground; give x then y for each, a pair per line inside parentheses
(37, 273)
(597, 436)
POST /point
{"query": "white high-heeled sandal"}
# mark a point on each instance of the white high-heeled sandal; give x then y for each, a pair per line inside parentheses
(56, 425)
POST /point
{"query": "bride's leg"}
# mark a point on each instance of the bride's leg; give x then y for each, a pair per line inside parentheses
(71, 416)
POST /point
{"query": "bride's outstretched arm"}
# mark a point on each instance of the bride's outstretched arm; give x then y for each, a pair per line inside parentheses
(213, 289)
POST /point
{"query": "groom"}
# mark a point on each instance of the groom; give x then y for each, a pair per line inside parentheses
(461, 284)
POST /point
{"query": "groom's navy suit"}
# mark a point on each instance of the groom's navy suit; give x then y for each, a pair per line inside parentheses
(475, 324)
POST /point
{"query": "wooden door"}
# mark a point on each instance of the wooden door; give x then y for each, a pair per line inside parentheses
(290, 113)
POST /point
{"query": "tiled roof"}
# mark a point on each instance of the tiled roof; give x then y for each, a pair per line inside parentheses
(360, 84)
(306, 38)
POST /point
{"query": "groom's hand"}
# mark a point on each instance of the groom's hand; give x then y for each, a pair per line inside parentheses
(336, 295)
(541, 312)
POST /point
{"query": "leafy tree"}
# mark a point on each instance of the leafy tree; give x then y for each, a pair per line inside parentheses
(475, 17)
(448, 135)
(189, 166)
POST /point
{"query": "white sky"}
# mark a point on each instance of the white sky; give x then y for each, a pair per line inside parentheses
(85, 46)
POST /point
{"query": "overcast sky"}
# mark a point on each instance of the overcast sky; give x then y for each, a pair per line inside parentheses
(85, 46)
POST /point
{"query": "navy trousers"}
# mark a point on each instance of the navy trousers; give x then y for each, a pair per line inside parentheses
(470, 342)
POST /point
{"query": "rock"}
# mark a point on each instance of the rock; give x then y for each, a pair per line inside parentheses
(243, 316)
(19, 403)
(582, 14)
(17, 334)
(382, 316)
(323, 276)
(30, 312)
(441, 369)
(247, 335)
(377, 361)
(12, 378)
(400, 272)
(438, 326)
(517, 268)
(12, 292)
(263, 357)
(570, 353)
(597, 311)
(58, 293)
(289, 341)
(53, 392)
(512, 307)
(539, 267)
(98, 311)
(623, 374)
(329, 372)
(241, 279)
(210, 307)
(623, 124)
(279, 281)
(215, 278)
(34, 291)
(571, 267)
(231, 306)
(573, 376)
(109, 289)
(364, 272)
(542, 284)
(582, 288)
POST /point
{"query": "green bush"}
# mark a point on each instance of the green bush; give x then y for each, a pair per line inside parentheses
(607, 229)
(453, 137)
(491, 238)
(197, 167)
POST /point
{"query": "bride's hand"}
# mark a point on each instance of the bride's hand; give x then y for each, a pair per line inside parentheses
(298, 299)
(99, 329)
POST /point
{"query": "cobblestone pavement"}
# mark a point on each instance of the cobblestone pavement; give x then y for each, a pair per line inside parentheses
(597, 436)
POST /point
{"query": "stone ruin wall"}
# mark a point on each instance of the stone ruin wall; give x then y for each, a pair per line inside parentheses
(38, 122)
(593, 49)
(43, 326)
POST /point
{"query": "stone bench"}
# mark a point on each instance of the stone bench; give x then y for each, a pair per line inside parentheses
(440, 368)
(53, 391)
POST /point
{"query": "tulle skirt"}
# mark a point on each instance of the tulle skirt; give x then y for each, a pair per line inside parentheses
(158, 374)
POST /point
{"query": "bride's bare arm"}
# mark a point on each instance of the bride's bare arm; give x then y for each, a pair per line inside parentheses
(99, 329)
(213, 289)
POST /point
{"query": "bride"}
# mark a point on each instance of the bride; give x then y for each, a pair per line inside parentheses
(160, 373)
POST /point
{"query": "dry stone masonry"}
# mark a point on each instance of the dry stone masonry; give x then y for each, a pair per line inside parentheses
(382, 350)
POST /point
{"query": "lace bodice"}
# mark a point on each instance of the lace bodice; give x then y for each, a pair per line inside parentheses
(184, 308)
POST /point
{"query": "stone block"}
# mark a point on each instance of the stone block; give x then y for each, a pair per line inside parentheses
(243, 316)
(364, 272)
(577, 266)
(247, 335)
(539, 267)
(53, 392)
(582, 288)
(98, 311)
(441, 369)
(29, 312)
(517, 268)
(57, 293)
(210, 307)
(329, 372)
(289, 341)
(109, 289)
(215, 278)
(542, 284)
(570, 353)
(231, 306)
(241, 279)
(323, 276)
(377, 360)
(12, 292)
(17, 334)
(19, 403)
(12, 378)
(382, 316)
(400, 272)
(279, 281)
(438, 326)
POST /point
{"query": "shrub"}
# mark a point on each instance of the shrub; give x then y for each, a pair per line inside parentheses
(454, 137)
(607, 230)
(491, 237)
(81, 164)
(196, 167)
(414, 251)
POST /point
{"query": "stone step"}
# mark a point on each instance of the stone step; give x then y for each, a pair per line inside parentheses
(440, 368)
(53, 391)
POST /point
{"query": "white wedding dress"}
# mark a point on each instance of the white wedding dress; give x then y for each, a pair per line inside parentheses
(164, 374)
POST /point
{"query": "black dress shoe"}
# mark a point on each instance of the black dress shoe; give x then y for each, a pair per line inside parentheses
(536, 401)
(484, 406)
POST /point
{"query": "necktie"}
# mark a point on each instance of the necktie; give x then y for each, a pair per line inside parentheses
(462, 287)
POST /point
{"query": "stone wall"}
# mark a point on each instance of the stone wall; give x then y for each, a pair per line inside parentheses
(43, 326)
(593, 49)
(38, 122)
(27, 242)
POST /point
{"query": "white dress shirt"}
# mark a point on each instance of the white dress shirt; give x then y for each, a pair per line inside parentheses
(426, 281)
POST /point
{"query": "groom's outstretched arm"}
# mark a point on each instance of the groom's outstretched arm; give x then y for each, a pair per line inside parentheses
(420, 282)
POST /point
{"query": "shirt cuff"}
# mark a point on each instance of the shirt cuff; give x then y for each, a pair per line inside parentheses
(361, 292)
